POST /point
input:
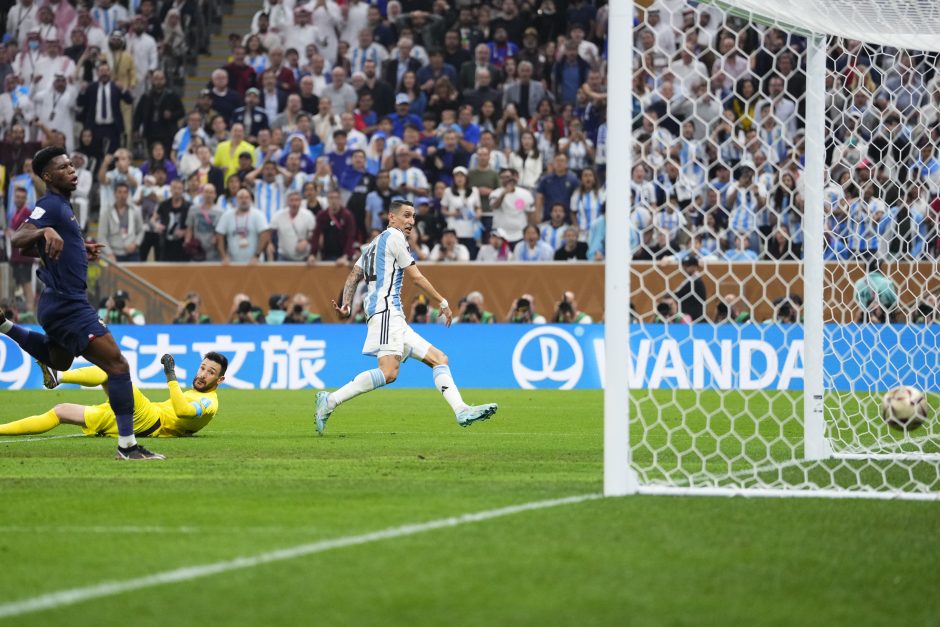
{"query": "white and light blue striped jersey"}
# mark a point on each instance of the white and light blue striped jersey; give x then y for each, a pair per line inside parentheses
(554, 236)
(383, 264)
(412, 177)
(358, 56)
(774, 141)
(297, 183)
(108, 19)
(587, 206)
(744, 213)
(670, 221)
(270, 197)
(643, 193)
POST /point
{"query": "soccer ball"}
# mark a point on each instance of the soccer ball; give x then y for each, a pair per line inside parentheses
(904, 408)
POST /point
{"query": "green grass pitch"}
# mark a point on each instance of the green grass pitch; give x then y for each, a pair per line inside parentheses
(259, 479)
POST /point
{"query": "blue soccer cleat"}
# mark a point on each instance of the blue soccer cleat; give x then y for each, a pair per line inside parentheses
(323, 411)
(476, 413)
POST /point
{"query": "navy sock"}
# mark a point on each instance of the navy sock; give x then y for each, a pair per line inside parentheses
(31, 342)
(121, 397)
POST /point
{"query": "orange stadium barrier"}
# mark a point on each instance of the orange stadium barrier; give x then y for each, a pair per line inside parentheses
(758, 284)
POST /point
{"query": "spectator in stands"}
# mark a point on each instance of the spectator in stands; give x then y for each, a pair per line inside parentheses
(449, 248)
(378, 202)
(224, 99)
(553, 230)
(497, 249)
(184, 136)
(201, 222)
(158, 113)
(189, 310)
(252, 116)
(101, 110)
(158, 160)
(241, 76)
(569, 73)
(229, 152)
(171, 217)
(293, 228)
(532, 248)
(334, 235)
(20, 264)
(512, 207)
(572, 249)
(342, 96)
(242, 234)
(123, 172)
(121, 227)
(406, 179)
(557, 186)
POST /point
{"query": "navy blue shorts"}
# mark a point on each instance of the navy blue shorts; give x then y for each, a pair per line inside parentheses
(72, 324)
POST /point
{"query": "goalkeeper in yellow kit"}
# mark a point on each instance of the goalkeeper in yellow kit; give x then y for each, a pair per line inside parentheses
(182, 415)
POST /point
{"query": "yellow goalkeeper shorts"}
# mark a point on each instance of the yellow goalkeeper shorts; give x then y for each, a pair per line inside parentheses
(100, 419)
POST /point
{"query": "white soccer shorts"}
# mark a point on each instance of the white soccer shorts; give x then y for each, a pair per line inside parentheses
(390, 334)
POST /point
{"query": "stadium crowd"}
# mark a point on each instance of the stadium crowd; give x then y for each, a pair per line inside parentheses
(489, 116)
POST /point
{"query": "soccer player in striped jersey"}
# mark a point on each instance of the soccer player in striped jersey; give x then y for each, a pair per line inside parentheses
(383, 265)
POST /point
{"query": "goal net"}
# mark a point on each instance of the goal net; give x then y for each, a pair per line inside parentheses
(784, 185)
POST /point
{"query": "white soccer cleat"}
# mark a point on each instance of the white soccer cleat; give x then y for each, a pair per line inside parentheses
(50, 377)
(476, 413)
(323, 411)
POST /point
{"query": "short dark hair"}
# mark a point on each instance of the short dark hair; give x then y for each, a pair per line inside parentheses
(218, 358)
(44, 157)
(398, 203)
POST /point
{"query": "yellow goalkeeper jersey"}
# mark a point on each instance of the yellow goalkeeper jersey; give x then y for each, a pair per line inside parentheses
(185, 413)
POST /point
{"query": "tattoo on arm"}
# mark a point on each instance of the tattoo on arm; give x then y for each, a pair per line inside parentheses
(351, 282)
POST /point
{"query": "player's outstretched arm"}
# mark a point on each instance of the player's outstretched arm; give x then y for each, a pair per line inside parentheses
(352, 280)
(181, 407)
(27, 238)
(422, 282)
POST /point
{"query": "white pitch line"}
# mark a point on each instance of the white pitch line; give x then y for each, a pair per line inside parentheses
(188, 573)
(41, 438)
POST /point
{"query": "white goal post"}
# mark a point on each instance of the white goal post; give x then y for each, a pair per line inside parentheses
(823, 439)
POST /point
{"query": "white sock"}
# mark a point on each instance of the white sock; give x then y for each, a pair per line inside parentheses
(365, 381)
(6, 326)
(127, 441)
(444, 382)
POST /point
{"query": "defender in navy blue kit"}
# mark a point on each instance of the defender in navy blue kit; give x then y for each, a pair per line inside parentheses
(71, 324)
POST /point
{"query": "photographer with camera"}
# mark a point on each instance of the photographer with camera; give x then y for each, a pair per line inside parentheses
(188, 311)
(117, 310)
(421, 312)
(300, 312)
(277, 309)
(667, 311)
(567, 311)
(243, 312)
(472, 310)
(523, 311)
(731, 310)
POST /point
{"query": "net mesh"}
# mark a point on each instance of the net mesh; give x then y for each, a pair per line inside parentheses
(718, 201)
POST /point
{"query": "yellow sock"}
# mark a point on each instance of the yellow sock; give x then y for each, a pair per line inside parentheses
(91, 376)
(31, 425)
